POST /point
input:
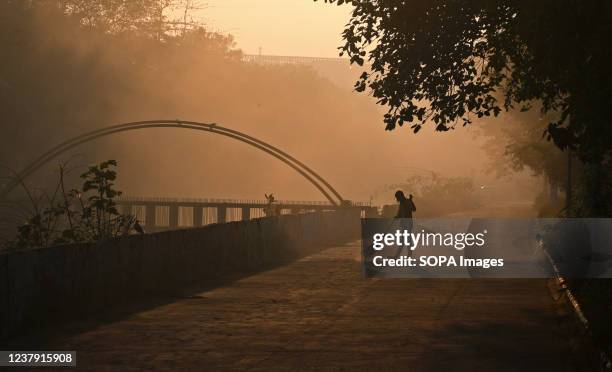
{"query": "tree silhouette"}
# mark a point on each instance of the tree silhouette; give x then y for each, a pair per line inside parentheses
(447, 61)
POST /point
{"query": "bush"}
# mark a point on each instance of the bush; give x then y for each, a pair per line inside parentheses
(88, 214)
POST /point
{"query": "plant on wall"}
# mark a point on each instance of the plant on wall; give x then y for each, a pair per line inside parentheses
(77, 215)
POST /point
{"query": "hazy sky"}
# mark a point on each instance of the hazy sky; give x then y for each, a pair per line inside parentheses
(279, 27)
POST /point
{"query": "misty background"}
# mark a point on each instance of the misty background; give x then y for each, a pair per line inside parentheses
(73, 66)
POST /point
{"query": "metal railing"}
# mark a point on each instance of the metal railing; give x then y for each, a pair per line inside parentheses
(167, 213)
(296, 60)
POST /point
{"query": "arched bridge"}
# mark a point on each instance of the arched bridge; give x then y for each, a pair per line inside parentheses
(314, 178)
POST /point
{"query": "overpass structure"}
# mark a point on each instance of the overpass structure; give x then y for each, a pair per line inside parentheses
(162, 213)
(293, 60)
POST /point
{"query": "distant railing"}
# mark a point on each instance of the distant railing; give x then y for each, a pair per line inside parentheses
(279, 60)
(168, 213)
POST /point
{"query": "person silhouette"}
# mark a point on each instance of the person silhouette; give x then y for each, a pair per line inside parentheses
(271, 209)
(406, 205)
(404, 214)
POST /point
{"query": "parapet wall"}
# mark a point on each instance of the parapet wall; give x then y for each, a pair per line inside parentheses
(40, 286)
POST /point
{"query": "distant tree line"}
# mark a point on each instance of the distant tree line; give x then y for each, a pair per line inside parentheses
(69, 65)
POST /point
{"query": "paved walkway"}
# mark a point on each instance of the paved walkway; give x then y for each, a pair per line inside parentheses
(320, 313)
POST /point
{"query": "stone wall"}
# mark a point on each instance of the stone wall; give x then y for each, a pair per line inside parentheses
(40, 286)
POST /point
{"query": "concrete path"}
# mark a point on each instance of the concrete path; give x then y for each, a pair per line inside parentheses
(319, 313)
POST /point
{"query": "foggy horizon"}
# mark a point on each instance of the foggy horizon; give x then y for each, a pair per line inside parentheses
(290, 106)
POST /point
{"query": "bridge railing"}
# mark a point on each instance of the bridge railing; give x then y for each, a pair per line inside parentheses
(167, 213)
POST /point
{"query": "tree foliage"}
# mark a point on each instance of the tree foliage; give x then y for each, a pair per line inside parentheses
(515, 145)
(448, 61)
(72, 65)
(157, 19)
